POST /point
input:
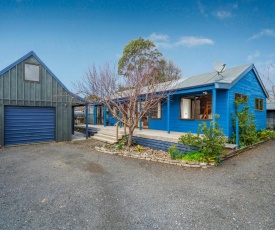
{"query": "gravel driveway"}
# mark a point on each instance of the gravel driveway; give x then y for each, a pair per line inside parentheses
(71, 186)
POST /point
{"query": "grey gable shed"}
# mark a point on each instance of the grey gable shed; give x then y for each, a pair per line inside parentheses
(34, 105)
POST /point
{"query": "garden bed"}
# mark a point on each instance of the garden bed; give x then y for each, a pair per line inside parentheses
(164, 157)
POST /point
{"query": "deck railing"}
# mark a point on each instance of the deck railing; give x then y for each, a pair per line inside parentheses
(124, 126)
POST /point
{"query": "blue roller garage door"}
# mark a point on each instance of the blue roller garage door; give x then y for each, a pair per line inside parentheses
(25, 125)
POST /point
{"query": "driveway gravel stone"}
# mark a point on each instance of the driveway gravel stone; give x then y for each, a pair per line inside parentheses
(71, 186)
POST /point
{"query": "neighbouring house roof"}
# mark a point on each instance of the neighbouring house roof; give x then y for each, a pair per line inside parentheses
(32, 53)
(270, 105)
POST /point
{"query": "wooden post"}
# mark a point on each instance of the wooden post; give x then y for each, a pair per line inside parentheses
(214, 101)
(237, 131)
(104, 115)
(95, 115)
(140, 120)
(86, 113)
(168, 113)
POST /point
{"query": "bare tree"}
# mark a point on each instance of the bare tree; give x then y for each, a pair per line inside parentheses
(105, 84)
(269, 82)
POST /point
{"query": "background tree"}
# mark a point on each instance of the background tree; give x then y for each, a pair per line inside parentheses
(167, 71)
(138, 81)
(269, 81)
(142, 55)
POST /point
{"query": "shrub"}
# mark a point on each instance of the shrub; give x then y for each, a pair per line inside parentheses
(211, 143)
(119, 146)
(247, 126)
(139, 148)
(195, 156)
(191, 140)
(175, 154)
(213, 139)
(265, 134)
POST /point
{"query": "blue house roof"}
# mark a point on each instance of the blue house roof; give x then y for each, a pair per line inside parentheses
(225, 80)
(32, 53)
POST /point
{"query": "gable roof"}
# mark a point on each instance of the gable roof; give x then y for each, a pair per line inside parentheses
(226, 79)
(32, 53)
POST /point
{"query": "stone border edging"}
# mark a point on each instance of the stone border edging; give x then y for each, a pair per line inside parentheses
(158, 159)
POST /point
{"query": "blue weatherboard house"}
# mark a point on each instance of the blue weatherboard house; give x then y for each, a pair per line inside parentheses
(198, 98)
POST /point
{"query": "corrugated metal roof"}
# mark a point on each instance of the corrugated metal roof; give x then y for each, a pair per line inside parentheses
(270, 105)
(228, 77)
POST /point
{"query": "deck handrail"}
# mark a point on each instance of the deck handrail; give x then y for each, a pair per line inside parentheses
(117, 124)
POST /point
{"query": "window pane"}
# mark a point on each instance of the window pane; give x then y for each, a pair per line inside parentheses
(156, 111)
(206, 107)
(186, 112)
(241, 97)
(31, 72)
(259, 104)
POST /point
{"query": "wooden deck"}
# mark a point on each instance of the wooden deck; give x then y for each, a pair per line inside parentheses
(145, 133)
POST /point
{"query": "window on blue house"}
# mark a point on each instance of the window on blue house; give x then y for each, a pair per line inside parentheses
(156, 111)
(242, 97)
(196, 107)
(259, 104)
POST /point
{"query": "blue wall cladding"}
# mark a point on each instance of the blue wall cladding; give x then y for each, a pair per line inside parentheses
(162, 145)
(249, 86)
(176, 124)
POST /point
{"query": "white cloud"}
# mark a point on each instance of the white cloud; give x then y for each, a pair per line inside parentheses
(158, 37)
(192, 41)
(201, 8)
(222, 14)
(264, 33)
(253, 56)
(162, 40)
(225, 12)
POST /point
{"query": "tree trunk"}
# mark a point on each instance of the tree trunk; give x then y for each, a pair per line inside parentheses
(130, 137)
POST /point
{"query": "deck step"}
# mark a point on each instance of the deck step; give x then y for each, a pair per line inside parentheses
(106, 140)
(231, 146)
(107, 137)
(111, 134)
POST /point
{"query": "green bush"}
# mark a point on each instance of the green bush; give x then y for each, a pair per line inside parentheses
(195, 156)
(175, 154)
(211, 143)
(265, 134)
(119, 146)
(191, 140)
(247, 127)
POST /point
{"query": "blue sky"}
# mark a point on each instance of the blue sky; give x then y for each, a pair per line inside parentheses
(69, 36)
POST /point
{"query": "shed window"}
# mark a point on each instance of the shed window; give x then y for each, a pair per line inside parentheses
(259, 104)
(242, 97)
(156, 111)
(31, 72)
(196, 107)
